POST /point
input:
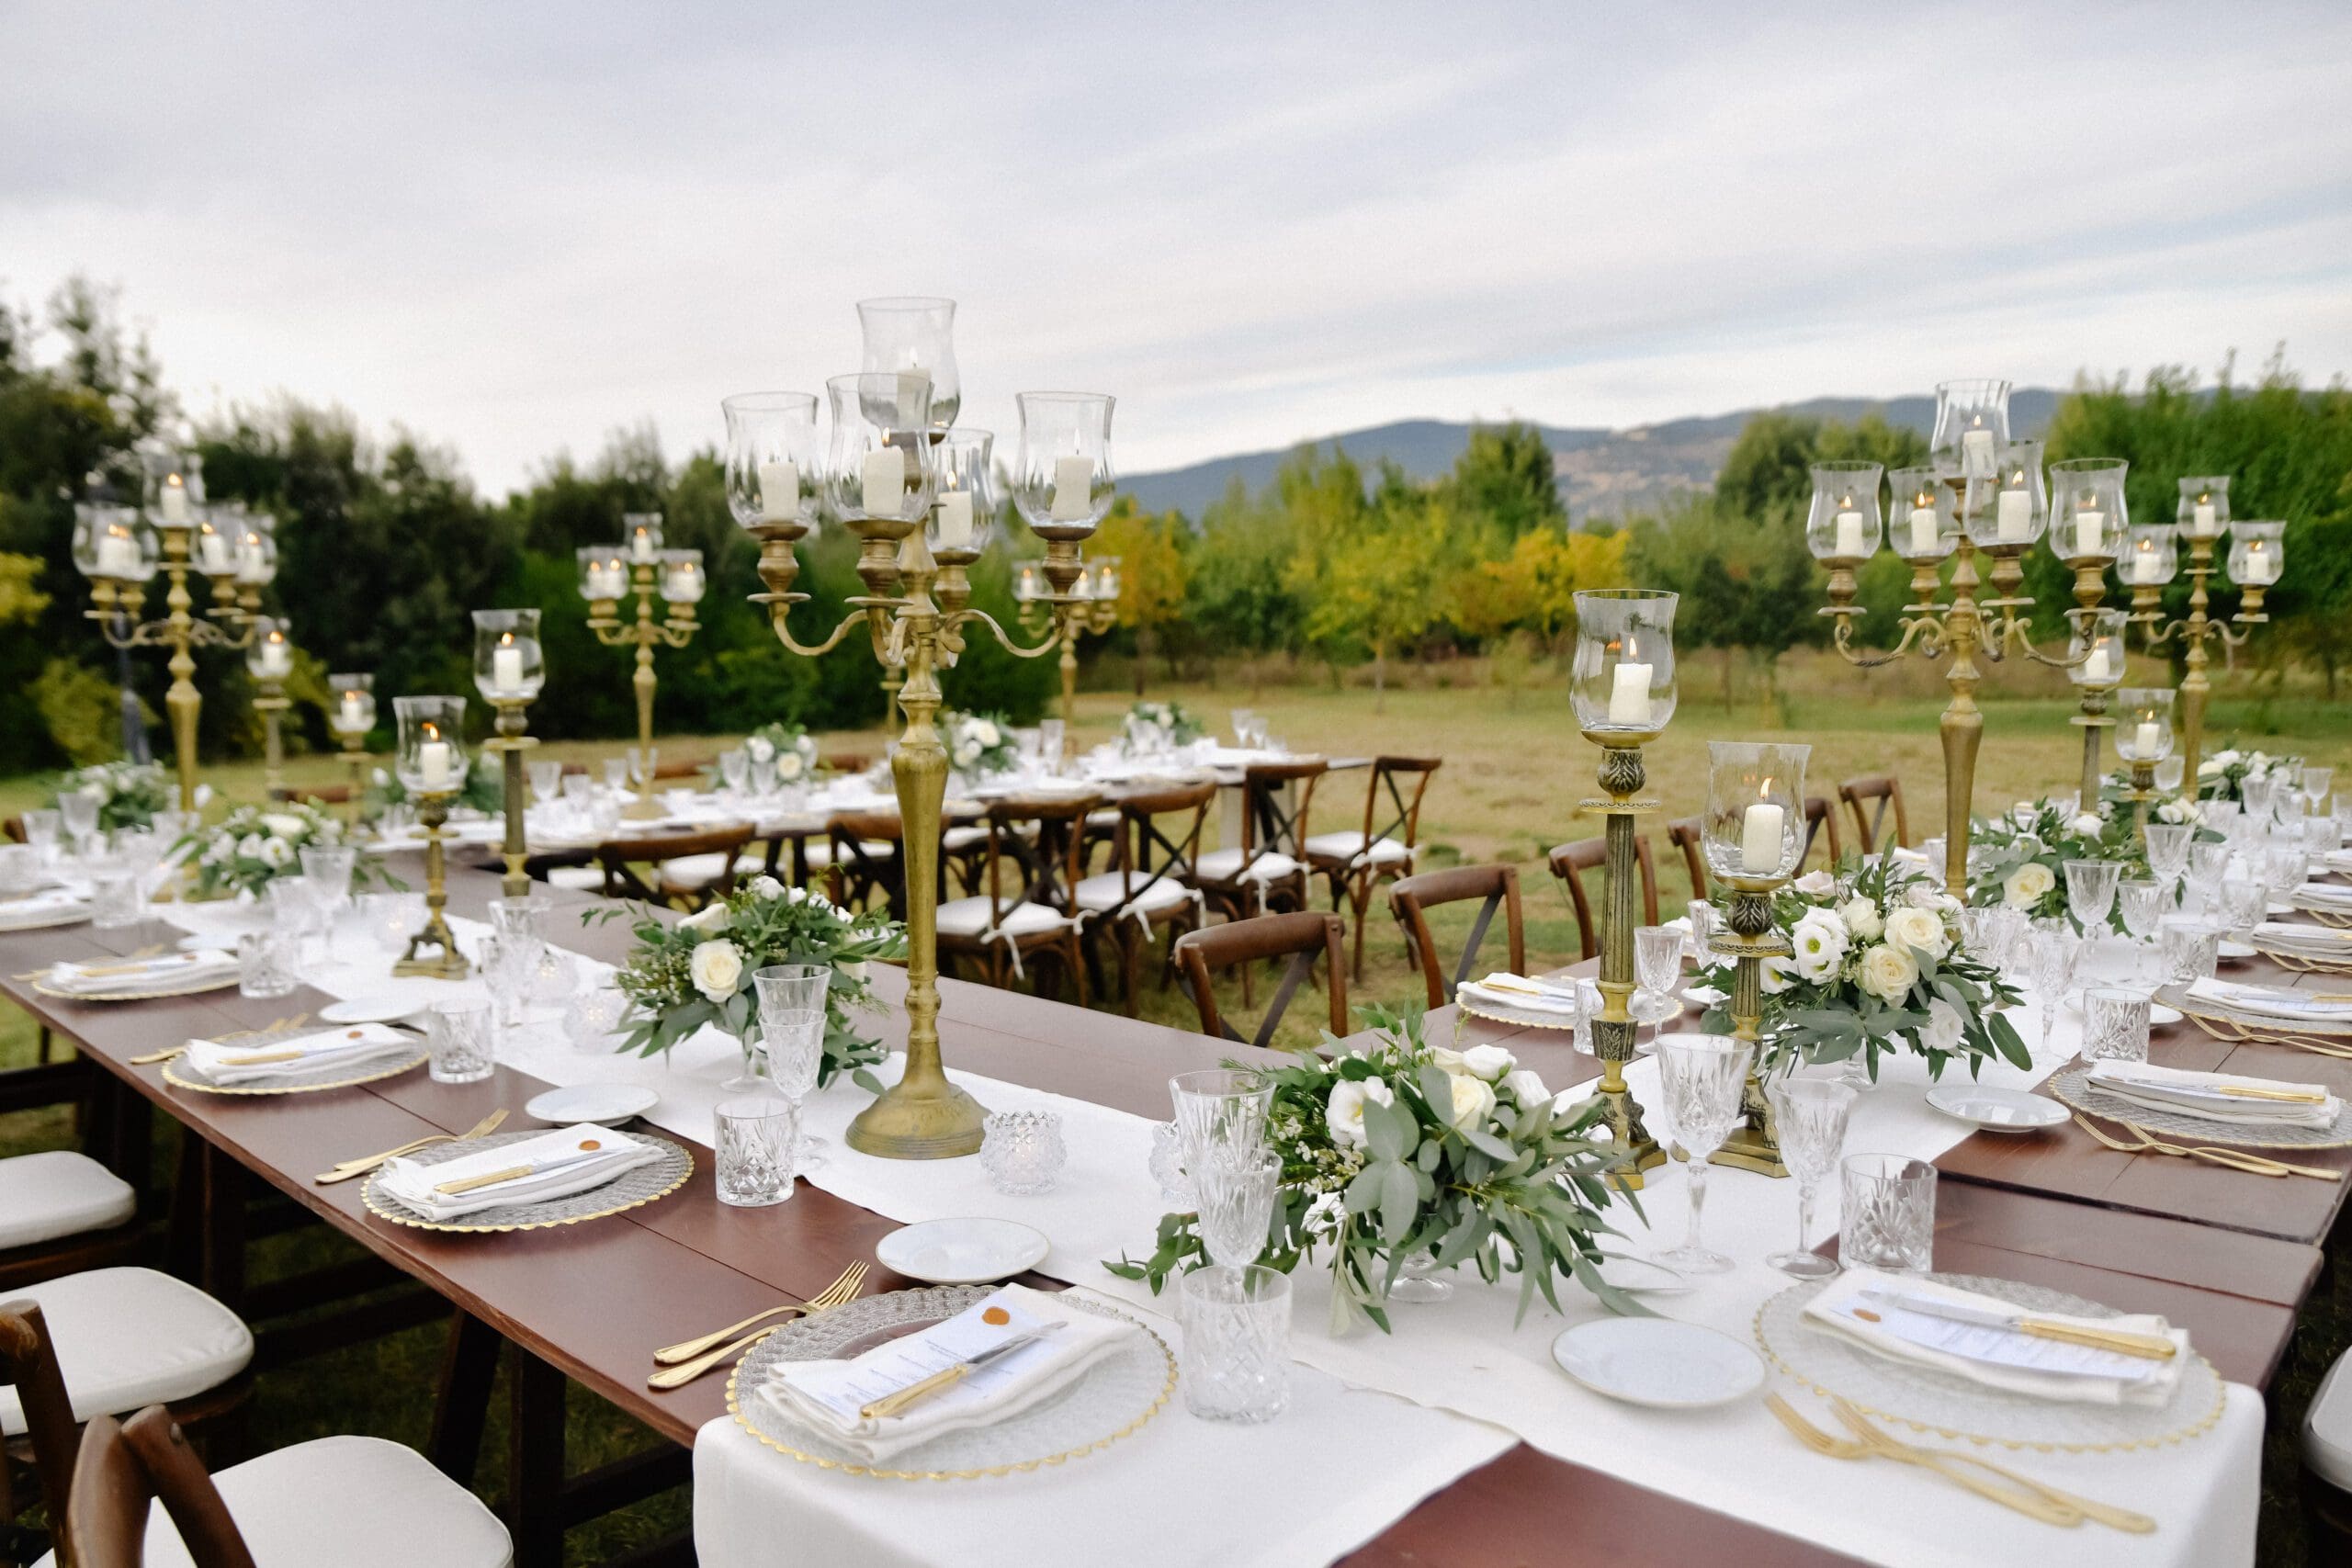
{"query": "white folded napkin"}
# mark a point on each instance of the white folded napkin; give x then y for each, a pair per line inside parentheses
(829, 1394)
(43, 909)
(1503, 988)
(2201, 1095)
(1998, 1357)
(2296, 934)
(115, 976)
(2334, 894)
(252, 1061)
(557, 1163)
(2273, 1001)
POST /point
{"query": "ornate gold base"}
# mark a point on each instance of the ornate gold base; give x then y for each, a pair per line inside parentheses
(1638, 1151)
(1756, 1144)
(908, 1122)
(450, 964)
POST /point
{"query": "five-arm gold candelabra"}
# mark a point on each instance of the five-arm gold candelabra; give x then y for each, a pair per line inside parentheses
(1095, 612)
(673, 578)
(2195, 629)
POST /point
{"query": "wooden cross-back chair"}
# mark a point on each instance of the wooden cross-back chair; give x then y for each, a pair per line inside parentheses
(1033, 846)
(1869, 799)
(1356, 861)
(29, 1365)
(1821, 830)
(1268, 869)
(689, 870)
(1683, 834)
(865, 859)
(1300, 935)
(1570, 862)
(1413, 896)
(1150, 885)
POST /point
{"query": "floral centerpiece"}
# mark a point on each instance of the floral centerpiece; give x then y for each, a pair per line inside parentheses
(2223, 775)
(1402, 1154)
(679, 977)
(2019, 857)
(1174, 722)
(129, 793)
(792, 749)
(977, 742)
(252, 846)
(1878, 967)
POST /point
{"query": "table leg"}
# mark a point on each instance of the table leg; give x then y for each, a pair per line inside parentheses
(461, 1408)
(222, 1275)
(534, 1462)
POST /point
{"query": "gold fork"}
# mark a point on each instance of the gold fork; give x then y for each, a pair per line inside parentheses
(2229, 1159)
(275, 1026)
(841, 1292)
(365, 1163)
(2031, 1504)
(132, 961)
(2101, 1513)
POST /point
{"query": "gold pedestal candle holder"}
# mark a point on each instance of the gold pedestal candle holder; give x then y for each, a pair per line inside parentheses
(351, 718)
(1748, 938)
(1752, 834)
(640, 567)
(431, 762)
(2255, 558)
(511, 743)
(433, 952)
(510, 668)
(355, 762)
(2143, 736)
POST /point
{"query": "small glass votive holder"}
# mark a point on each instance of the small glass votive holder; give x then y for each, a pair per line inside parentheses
(1587, 1009)
(264, 966)
(1887, 1217)
(2190, 948)
(1167, 1166)
(114, 900)
(1236, 1343)
(592, 1019)
(20, 868)
(1657, 959)
(756, 1136)
(1023, 1151)
(459, 1035)
(2243, 905)
(2115, 1025)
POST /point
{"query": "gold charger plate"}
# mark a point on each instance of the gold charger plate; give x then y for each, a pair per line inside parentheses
(630, 1190)
(2073, 1086)
(176, 1072)
(219, 984)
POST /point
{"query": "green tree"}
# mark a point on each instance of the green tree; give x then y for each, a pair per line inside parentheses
(1504, 483)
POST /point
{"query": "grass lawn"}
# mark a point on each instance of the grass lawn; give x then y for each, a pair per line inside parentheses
(1514, 766)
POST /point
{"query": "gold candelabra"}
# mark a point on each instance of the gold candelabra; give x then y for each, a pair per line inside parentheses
(1095, 613)
(675, 630)
(229, 623)
(2191, 632)
(1623, 778)
(433, 952)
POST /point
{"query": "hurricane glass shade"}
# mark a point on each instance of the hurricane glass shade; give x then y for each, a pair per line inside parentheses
(683, 580)
(2097, 650)
(1028, 586)
(1062, 475)
(1971, 427)
(2151, 556)
(640, 537)
(604, 572)
(776, 460)
(270, 656)
(2256, 552)
(354, 709)
(1105, 577)
(879, 465)
(2203, 511)
(2088, 518)
(2144, 723)
(1926, 523)
(510, 665)
(1845, 523)
(253, 539)
(915, 334)
(1754, 829)
(114, 542)
(430, 757)
(1621, 683)
(2020, 512)
(963, 508)
(174, 486)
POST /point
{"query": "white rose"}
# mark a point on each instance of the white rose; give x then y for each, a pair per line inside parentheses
(276, 853)
(2209, 769)
(204, 792)
(1816, 884)
(760, 748)
(2088, 825)
(985, 732)
(1525, 1086)
(249, 847)
(1943, 1028)
(2028, 885)
(1474, 1100)
(2222, 760)
(1888, 971)
(711, 917)
(788, 766)
(1448, 1059)
(766, 886)
(1921, 930)
(1820, 942)
(718, 969)
(1778, 975)
(966, 754)
(284, 825)
(1861, 918)
(1343, 1112)
(1489, 1062)
(1922, 894)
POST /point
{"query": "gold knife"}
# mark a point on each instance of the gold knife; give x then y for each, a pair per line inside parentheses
(898, 1403)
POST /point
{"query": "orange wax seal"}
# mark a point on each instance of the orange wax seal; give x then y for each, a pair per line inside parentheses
(1866, 1314)
(997, 1315)
(351, 1034)
(587, 1144)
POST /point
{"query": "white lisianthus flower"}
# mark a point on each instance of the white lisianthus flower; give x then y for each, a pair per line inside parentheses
(1489, 1062)
(1944, 1026)
(2087, 825)
(1524, 1085)
(709, 918)
(204, 792)
(1448, 1059)
(1343, 1112)
(276, 853)
(1820, 941)
(1921, 930)
(718, 969)
(1778, 974)
(760, 748)
(1922, 894)
(985, 732)
(1861, 918)
(788, 766)
(766, 886)
(1474, 1100)
(2028, 885)
(249, 847)
(284, 823)
(1888, 971)
(1816, 884)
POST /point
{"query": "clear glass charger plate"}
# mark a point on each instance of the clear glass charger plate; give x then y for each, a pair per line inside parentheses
(197, 989)
(2225, 1020)
(311, 1080)
(630, 1190)
(1109, 1401)
(2072, 1087)
(1951, 1407)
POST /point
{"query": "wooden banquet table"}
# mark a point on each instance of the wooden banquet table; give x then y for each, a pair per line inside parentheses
(674, 1268)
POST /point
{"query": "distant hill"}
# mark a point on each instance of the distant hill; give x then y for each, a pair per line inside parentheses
(1603, 473)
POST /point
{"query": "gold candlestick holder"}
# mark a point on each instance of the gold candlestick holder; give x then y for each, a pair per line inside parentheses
(1748, 938)
(511, 743)
(272, 705)
(2190, 633)
(433, 952)
(1623, 778)
(355, 762)
(1093, 615)
(649, 583)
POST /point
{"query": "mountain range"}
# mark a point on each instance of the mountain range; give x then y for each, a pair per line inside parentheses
(1600, 472)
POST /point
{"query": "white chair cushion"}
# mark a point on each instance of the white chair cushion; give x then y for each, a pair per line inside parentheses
(44, 1196)
(2327, 1427)
(1103, 816)
(694, 872)
(128, 1338)
(1108, 891)
(1224, 865)
(959, 839)
(352, 1502)
(820, 851)
(1347, 846)
(969, 917)
(579, 878)
(751, 865)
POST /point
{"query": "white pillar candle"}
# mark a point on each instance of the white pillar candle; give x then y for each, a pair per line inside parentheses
(213, 555)
(1976, 455)
(684, 585)
(607, 582)
(1849, 536)
(779, 491)
(277, 659)
(252, 565)
(956, 520)
(506, 666)
(1106, 583)
(2143, 564)
(2015, 516)
(117, 556)
(2146, 740)
(354, 716)
(883, 482)
(2201, 521)
(1760, 838)
(640, 543)
(1073, 490)
(1629, 696)
(433, 764)
(2087, 525)
(175, 500)
(1924, 529)
(2094, 664)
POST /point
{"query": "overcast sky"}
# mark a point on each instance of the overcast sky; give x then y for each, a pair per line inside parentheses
(514, 227)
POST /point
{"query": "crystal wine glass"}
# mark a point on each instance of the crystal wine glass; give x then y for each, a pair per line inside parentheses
(2090, 893)
(2141, 901)
(2168, 851)
(2054, 949)
(1236, 1192)
(1657, 966)
(792, 1027)
(1810, 1116)
(1703, 1075)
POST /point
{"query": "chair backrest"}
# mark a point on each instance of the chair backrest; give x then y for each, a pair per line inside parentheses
(1868, 799)
(29, 1365)
(693, 769)
(856, 875)
(15, 829)
(1392, 803)
(1146, 852)
(125, 1467)
(1570, 862)
(1301, 936)
(1410, 899)
(1821, 827)
(1273, 822)
(1047, 860)
(1683, 834)
(621, 857)
(846, 763)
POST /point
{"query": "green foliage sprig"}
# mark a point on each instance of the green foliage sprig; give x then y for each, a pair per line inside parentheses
(252, 846)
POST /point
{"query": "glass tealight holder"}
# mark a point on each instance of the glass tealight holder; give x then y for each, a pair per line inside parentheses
(509, 663)
(2095, 651)
(352, 705)
(2087, 516)
(114, 542)
(1622, 681)
(2204, 508)
(2256, 552)
(1971, 430)
(604, 572)
(914, 334)
(1023, 1151)
(2144, 723)
(213, 549)
(2019, 510)
(2150, 556)
(1062, 475)
(255, 536)
(1029, 586)
(776, 460)
(879, 465)
(174, 486)
(683, 581)
(642, 537)
(430, 755)
(1754, 829)
(1845, 523)
(1924, 524)
(270, 656)
(963, 508)
(1105, 576)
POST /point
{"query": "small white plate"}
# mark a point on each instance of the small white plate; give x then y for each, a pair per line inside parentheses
(961, 1251)
(371, 1010)
(1996, 1109)
(2229, 949)
(1658, 1362)
(607, 1104)
(2277, 908)
(1641, 1276)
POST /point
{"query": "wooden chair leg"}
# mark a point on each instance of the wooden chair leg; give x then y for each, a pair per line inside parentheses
(1131, 965)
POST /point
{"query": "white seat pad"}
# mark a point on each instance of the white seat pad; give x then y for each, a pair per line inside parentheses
(1347, 846)
(579, 878)
(751, 865)
(1103, 816)
(969, 917)
(694, 872)
(820, 851)
(958, 839)
(1224, 865)
(2327, 1427)
(128, 1338)
(1108, 891)
(58, 1193)
(352, 1502)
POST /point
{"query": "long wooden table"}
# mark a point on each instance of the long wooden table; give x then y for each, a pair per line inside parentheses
(589, 1302)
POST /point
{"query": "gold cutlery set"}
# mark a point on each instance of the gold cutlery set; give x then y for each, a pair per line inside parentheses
(348, 1169)
(2231, 1159)
(688, 1360)
(275, 1026)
